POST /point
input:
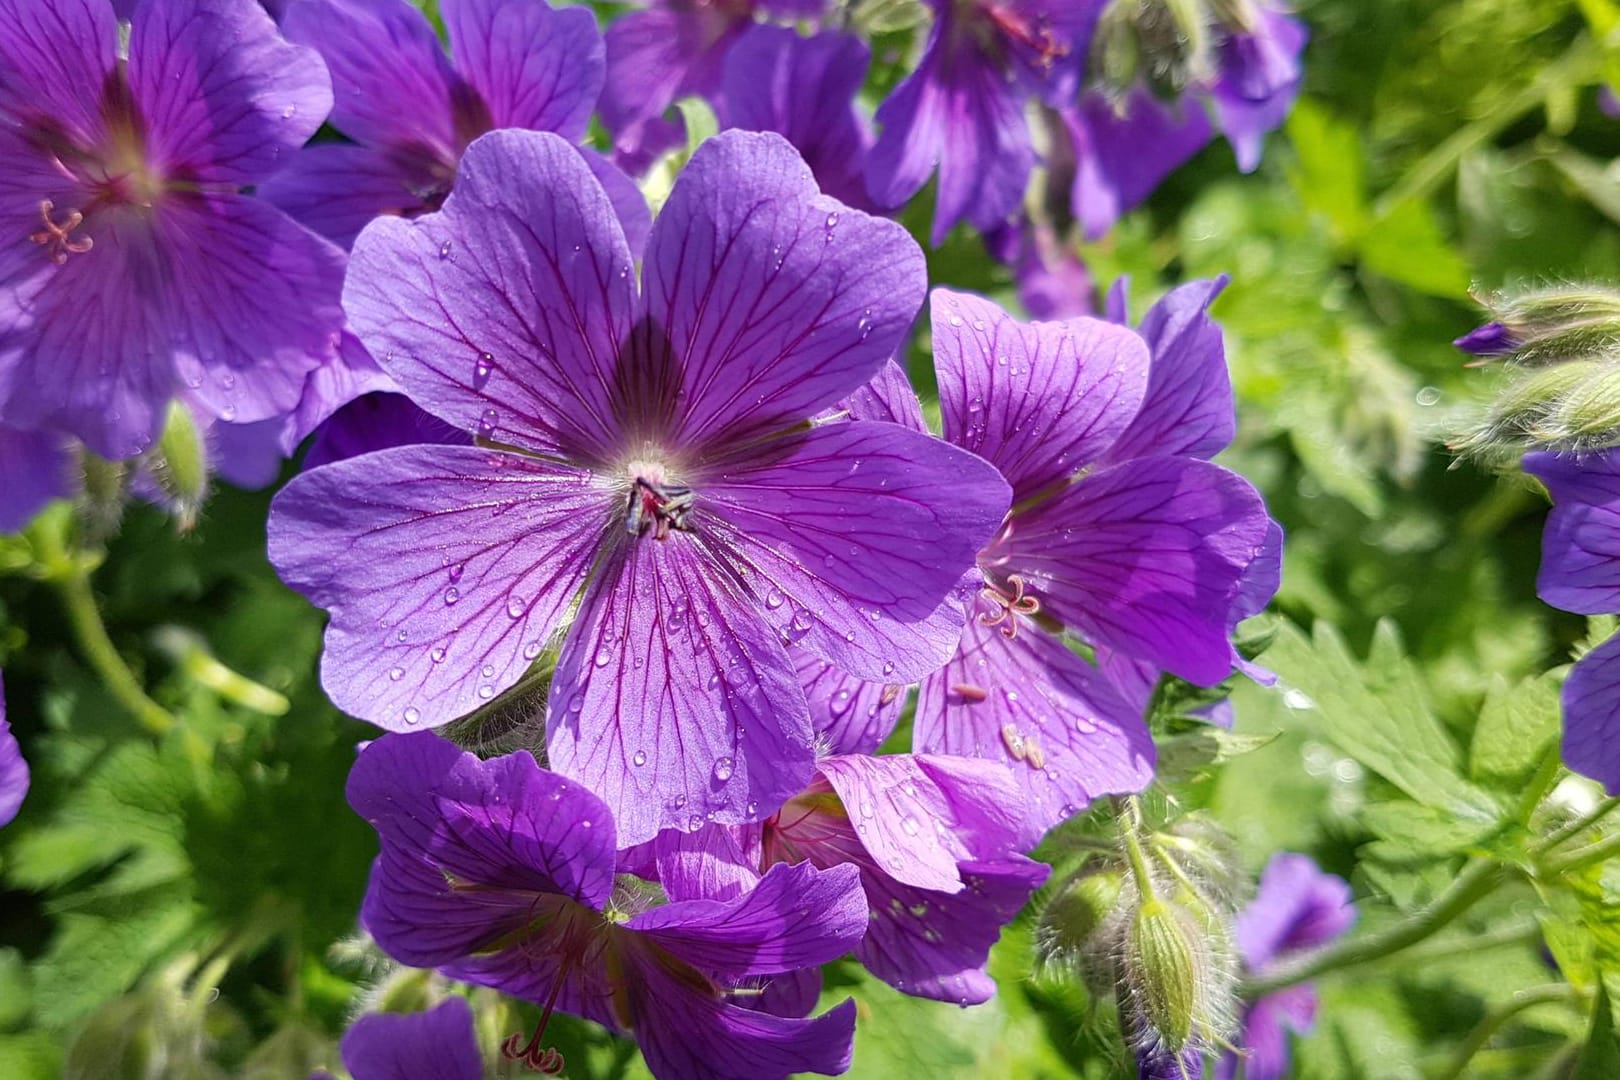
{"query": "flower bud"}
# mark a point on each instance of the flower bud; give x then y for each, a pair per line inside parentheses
(178, 465)
(1177, 978)
(1545, 326)
(1071, 932)
(1162, 42)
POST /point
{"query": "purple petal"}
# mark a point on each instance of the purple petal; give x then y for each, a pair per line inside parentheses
(961, 111)
(336, 188)
(35, 467)
(1052, 281)
(246, 455)
(445, 568)
(377, 422)
(13, 769)
(347, 375)
(1188, 409)
(888, 396)
(851, 716)
(771, 300)
(1259, 79)
(505, 312)
(657, 55)
(1591, 699)
(673, 700)
(534, 67)
(1040, 400)
(803, 88)
(1296, 907)
(55, 59)
(797, 916)
(1031, 703)
(381, 54)
(409, 1046)
(1580, 549)
(716, 862)
(856, 535)
(1264, 1037)
(468, 846)
(1122, 156)
(247, 337)
(1145, 557)
(224, 98)
(935, 945)
(1492, 339)
(688, 1036)
(629, 204)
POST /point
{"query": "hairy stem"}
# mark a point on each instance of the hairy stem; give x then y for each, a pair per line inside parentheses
(103, 656)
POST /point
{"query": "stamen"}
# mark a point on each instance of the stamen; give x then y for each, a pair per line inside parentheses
(55, 238)
(969, 692)
(1033, 34)
(1014, 741)
(658, 508)
(547, 1059)
(1006, 606)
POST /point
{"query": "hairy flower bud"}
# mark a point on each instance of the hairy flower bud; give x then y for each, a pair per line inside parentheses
(178, 465)
(1163, 42)
(1177, 976)
(1544, 326)
(1072, 931)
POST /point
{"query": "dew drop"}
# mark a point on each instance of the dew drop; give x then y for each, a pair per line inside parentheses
(516, 606)
(482, 370)
(1084, 725)
(752, 808)
(451, 595)
(456, 571)
(774, 599)
(488, 672)
(412, 716)
(832, 220)
(723, 769)
(576, 705)
(486, 423)
(486, 692)
(531, 650)
(395, 674)
(909, 825)
(444, 249)
(437, 655)
(956, 320)
(640, 758)
(888, 667)
(289, 112)
(714, 682)
(695, 822)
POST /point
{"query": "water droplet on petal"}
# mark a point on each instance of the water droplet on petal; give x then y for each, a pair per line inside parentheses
(516, 606)
(486, 692)
(909, 825)
(437, 655)
(752, 808)
(482, 370)
(774, 598)
(576, 705)
(724, 768)
(531, 650)
(456, 571)
(412, 716)
(396, 674)
(444, 249)
(640, 758)
(289, 112)
(488, 672)
(486, 423)
(451, 595)
(603, 655)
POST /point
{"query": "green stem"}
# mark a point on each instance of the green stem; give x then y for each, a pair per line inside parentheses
(1583, 857)
(1520, 933)
(1477, 881)
(103, 655)
(1133, 848)
(1497, 1018)
(1578, 826)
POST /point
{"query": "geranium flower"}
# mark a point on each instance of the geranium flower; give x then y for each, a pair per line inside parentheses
(652, 450)
(136, 269)
(502, 874)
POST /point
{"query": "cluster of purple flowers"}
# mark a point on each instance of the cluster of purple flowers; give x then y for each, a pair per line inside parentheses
(668, 467)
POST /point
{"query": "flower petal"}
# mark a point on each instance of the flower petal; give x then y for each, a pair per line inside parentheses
(404, 1046)
(655, 55)
(803, 88)
(690, 1036)
(716, 862)
(34, 469)
(1580, 549)
(336, 188)
(1591, 699)
(445, 568)
(1297, 906)
(854, 536)
(1124, 149)
(1188, 410)
(1031, 703)
(1146, 557)
(505, 312)
(771, 300)
(378, 421)
(851, 716)
(55, 59)
(673, 700)
(797, 916)
(535, 68)
(13, 769)
(223, 96)
(381, 54)
(253, 301)
(887, 396)
(1041, 401)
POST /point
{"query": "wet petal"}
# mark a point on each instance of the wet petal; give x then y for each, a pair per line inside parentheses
(224, 98)
(381, 54)
(626, 196)
(888, 396)
(673, 700)
(851, 716)
(403, 1046)
(445, 569)
(771, 300)
(1031, 703)
(854, 537)
(1146, 557)
(378, 421)
(1591, 699)
(535, 68)
(505, 312)
(1040, 400)
(1580, 549)
(716, 862)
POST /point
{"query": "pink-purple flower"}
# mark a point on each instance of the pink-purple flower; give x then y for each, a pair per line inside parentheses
(13, 769)
(503, 874)
(646, 464)
(136, 268)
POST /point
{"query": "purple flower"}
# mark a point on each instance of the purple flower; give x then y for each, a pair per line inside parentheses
(803, 88)
(1120, 533)
(439, 1043)
(936, 841)
(1491, 340)
(512, 64)
(502, 874)
(35, 467)
(13, 769)
(962, 110)
(138, 271)
(652, 445)
(669, 50)
(1580, 572)
(1297, 907)
(1127, 140)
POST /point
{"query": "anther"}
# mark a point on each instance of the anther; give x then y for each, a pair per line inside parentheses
(55, 238)
(658, 508)
(969, 692)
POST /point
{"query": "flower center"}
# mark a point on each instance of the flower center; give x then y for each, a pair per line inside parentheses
(1006, 604)
(656, 505)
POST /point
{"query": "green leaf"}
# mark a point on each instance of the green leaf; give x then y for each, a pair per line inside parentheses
(1193, 752)
(1378, 713)
(1330, 174)
(1413, 831)
(1600, 1057)
(1516, 729)
(1406, 245)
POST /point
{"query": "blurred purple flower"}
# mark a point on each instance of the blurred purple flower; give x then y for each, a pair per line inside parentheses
(962, 109)
(1491, 340)
(13, 769)
(138, 271)
(936, 841)
(672, 49)
(655, 445)
(502, 874)
(439, 1043)
(35, 467)
(1119, 533)
(1297, 907)
(1580, 572)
